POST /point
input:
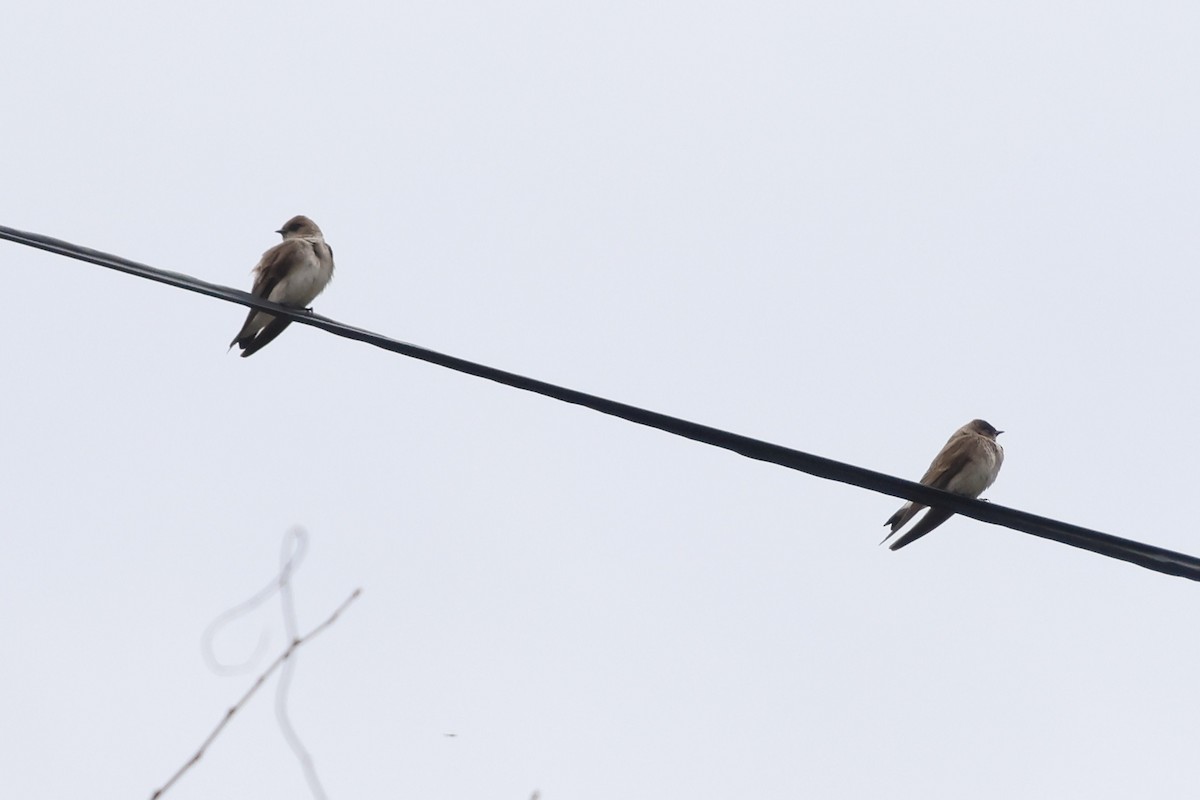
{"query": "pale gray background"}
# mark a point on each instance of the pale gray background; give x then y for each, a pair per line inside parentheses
(843, 227)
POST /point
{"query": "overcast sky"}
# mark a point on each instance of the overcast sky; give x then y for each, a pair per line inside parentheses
(847, 228)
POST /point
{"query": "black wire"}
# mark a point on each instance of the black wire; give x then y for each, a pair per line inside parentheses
(1144, 555)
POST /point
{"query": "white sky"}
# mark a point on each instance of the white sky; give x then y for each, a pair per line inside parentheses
(847, 228)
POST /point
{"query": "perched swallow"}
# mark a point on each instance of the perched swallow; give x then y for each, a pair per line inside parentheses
(967, 465)
(292, 273)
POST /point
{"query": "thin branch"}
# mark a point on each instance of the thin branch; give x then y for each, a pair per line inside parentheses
(284, 656)
(289, 565)
(284, 685)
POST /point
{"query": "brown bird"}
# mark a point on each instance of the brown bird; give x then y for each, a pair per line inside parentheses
(292, 273)
(967, 465)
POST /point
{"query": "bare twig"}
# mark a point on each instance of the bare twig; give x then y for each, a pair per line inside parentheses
(289, 564)
(289, 560)
(284, 656)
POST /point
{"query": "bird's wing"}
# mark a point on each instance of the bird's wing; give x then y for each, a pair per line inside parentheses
(277, 262)
(273, 267)
(952, 460)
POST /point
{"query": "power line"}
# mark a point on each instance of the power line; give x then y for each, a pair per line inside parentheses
(1144, 555)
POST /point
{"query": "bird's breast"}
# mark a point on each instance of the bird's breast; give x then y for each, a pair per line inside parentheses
(307, 279)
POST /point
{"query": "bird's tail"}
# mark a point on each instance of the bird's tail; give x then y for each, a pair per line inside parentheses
(932, 518)
(900, 518)
(254, 342)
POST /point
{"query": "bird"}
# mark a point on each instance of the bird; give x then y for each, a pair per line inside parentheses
(968, 464)
(292, 273)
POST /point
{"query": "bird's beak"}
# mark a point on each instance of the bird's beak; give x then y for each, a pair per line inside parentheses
(999, 432)
(280, 231)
